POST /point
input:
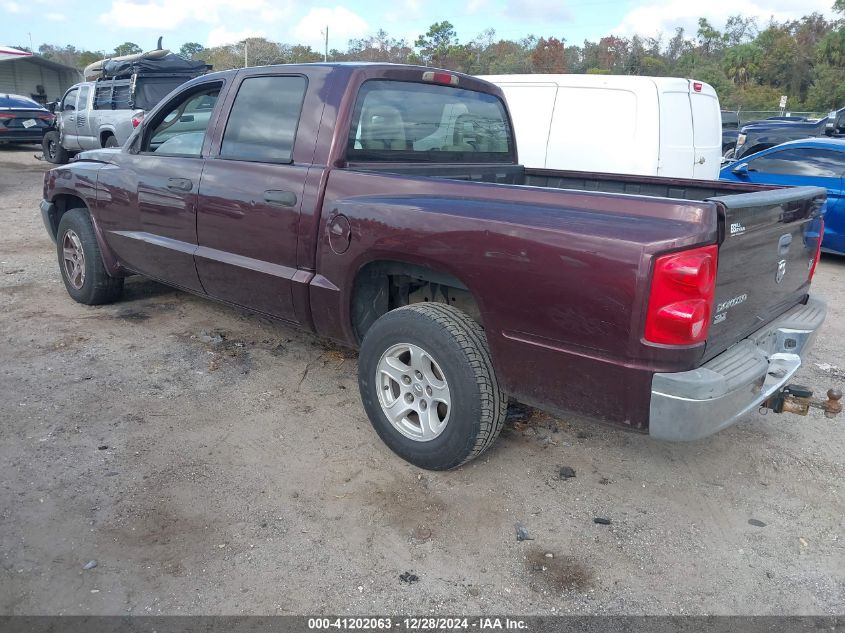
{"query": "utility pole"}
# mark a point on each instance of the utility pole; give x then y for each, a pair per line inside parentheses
(30, 43)
(246, 53)
(326, 49)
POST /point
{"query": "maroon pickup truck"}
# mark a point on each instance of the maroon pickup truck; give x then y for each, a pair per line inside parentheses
(384, 207)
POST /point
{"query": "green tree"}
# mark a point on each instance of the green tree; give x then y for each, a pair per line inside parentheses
(191, 50)
(378, 48)
(831, 49)
(777, 61)
(827, 91)
(69, 55)
(87, 57)
(709, 39)
(127, 48)
(739, 30)
(301, 54)
(741, 63)
(437, 44)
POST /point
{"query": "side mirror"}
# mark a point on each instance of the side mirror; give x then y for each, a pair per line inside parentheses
(741, 169)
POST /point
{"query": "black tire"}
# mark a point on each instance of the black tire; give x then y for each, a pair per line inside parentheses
(93, 286)
(729, 153)
(51, 144)
(111, 141)
(459, 348)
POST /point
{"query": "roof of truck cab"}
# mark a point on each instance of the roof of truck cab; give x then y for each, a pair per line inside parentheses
(392, 71)
(351, 65)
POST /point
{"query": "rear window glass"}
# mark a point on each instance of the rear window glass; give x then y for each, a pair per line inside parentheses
(150, 90)
(111, 96)
(415, 122)
(16, 101)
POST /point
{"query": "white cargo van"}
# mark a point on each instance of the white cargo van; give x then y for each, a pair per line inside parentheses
(653, 126)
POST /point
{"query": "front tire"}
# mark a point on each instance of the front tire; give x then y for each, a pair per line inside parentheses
(51, 145)
(81, 262)
(427, 383)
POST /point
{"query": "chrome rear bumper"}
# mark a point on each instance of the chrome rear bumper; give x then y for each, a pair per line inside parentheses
(694, 404)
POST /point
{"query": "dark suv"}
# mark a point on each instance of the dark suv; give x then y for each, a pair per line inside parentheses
(762, 135)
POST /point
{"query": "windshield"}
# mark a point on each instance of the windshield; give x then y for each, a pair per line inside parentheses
(19, 102)
(415, 122)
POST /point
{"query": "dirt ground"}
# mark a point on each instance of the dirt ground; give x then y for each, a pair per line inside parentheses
(214, 462)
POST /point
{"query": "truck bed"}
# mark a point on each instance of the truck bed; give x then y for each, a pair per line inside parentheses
(652, 186)
(766, 234)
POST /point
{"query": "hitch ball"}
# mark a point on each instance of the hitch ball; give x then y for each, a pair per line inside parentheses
(798, 400)
(832, 407)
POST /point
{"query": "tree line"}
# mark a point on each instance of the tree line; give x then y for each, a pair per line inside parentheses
(750, 65)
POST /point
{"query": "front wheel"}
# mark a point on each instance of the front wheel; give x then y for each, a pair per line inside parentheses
(427, 383)
(81, 262)
(51, 144)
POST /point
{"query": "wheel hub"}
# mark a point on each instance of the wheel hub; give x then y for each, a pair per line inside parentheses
(73, 259)
(413, 392)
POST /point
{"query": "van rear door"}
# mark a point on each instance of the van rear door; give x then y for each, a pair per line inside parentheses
(707, 130)
(677, 147)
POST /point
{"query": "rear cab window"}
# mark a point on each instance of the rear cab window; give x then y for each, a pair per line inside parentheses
(403, 121)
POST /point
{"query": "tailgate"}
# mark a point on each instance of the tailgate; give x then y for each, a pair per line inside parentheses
(769, 244)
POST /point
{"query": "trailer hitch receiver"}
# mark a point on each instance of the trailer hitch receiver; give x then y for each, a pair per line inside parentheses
(798, 400)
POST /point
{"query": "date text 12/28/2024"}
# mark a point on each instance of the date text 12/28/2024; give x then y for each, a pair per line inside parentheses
(415, 624)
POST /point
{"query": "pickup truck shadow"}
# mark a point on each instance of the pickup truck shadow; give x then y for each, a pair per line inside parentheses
(141, 288)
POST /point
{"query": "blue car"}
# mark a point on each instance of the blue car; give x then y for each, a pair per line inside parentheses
(818, 162)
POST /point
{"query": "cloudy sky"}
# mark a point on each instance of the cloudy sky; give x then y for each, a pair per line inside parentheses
(102, 24)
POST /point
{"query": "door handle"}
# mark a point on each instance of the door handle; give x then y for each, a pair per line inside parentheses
(280, 198)
(179, 184)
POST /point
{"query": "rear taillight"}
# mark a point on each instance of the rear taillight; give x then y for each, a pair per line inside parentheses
(137, 119)
(681, 299)
(818, 250)
(6, 115)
